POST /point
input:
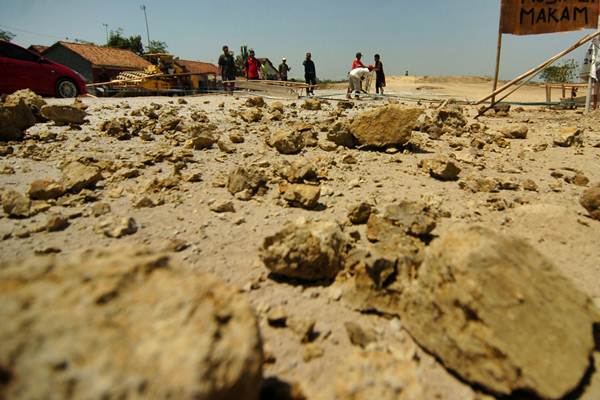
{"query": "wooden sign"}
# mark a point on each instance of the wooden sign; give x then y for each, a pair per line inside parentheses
(531, 17)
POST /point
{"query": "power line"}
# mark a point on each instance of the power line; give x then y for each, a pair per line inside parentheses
(43, 34)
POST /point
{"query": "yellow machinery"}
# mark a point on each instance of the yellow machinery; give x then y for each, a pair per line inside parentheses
(164, 74)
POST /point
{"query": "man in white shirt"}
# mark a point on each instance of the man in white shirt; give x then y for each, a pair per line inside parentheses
(355, 77)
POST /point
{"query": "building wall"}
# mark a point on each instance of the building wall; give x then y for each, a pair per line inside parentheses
(72, 60)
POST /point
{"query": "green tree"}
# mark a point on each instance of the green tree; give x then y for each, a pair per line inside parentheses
(240, 61)
(561, 73)
(6, 35)
(157, 46)
(117, 40)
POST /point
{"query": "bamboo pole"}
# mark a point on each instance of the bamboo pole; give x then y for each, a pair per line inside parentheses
(484, 110)
(498, 54)
(540, 67)
(588, 98)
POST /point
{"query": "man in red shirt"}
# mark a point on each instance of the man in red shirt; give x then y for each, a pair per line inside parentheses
(252, 66)
(357, 63)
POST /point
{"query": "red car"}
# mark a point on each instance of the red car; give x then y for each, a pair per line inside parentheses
(24, 69)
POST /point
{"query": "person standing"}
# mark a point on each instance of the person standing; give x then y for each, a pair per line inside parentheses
(264, 70)
(252, 66)
(227, 69)
(310, 74)
(357, 63)
(283, 70)
(379, 75)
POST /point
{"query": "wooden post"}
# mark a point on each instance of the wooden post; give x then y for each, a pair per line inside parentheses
(588, 98)
(548, 93)
(540, 67)
(498, 54)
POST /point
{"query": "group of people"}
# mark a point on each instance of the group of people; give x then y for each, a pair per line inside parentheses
(360, 72)
(254, 69)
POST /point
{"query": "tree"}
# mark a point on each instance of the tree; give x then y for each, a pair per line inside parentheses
(562, 73)
(133, 43)
(156, 46)
(240, 61)
(6, 35)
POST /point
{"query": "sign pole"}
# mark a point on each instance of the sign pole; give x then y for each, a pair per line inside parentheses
(498, 54)
(588, 98)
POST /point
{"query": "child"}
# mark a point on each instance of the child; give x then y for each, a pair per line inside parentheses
(380, 75)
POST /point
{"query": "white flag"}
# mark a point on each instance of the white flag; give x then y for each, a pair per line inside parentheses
(595, 60)
(591, 62)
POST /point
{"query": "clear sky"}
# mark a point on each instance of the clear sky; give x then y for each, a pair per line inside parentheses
(435, 37)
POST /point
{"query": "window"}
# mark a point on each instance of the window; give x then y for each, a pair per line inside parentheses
(11, 51)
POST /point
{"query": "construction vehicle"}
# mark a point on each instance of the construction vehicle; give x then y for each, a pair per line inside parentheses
(164, 74)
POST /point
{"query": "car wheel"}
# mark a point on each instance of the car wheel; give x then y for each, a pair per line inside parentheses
(66, 88)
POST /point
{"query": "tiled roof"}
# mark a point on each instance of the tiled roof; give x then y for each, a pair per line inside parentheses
(198, 67)
(106, 56)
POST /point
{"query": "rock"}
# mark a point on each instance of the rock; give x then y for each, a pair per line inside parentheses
(256, 101)
(590, 200)
(249, 180)
(144, 202)
(568, 137)
(223, 207)
(305, 251)
(438, 122)
(117, 128)
(225, 147)
(312, 351)
(277, 106)
(529, 185)
(360, 213)
(515, 132)
(32, 100)
(277, 317)
(304, 328)
(413, 217)
(345, 105)
(15, 205)
(386, 126)
(379, 375)
(64, 114)
(117, 227)
(77, 176)
(339, 133)
(56, 223)
(236, 137)
(124, 323)
(326, 145)
(441, 168)
(300, 170)
(100, 209)
(287, 141)
(201, 138)
(359, 336)
(15, 118)
(578, 179)
(252, 115)
(311, 105)
(500, 315)
(300, 195)
(478, 184)
(45, 189)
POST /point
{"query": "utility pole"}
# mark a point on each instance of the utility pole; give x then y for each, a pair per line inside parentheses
(143, 8)
(106, 26)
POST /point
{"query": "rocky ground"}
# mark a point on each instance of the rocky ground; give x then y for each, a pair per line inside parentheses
(362, 250)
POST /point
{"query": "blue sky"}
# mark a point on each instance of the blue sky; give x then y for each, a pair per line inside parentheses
(435, 37)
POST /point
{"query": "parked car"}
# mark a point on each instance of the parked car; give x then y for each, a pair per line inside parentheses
(24, 69)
